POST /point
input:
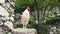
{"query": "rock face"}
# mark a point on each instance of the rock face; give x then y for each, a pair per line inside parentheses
(24, 31)
(1, 30)
(2, 1)
(8, 5)
(6, 9)
(3, 12)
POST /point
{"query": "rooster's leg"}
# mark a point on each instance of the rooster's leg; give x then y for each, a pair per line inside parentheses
(24, 25)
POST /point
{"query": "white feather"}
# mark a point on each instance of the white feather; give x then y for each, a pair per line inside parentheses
(25, 17)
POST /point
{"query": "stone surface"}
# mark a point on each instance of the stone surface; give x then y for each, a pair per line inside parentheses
(24, 31)
(3, 12)
(1, 30)
(2, 1)
(6, 10)
(19, 30)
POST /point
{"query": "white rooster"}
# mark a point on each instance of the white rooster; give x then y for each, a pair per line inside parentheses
(25, 17)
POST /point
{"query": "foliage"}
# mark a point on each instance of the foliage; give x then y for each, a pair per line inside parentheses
(21, 5)
(53, 21)
(17, 25)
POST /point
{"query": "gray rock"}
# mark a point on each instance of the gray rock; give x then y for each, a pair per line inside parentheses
(1, 30)
(24, 31)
